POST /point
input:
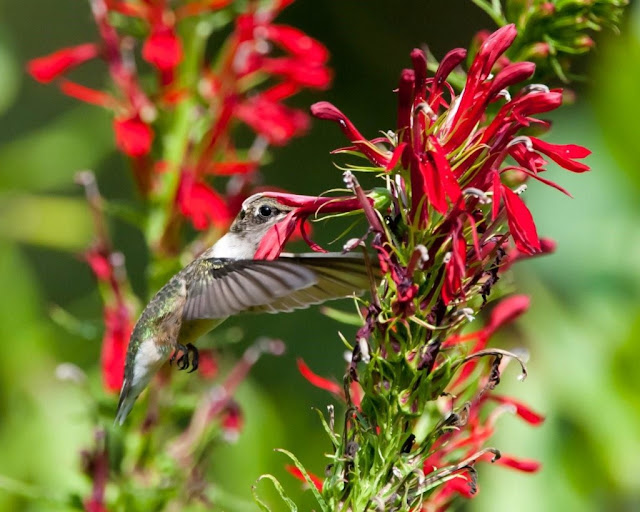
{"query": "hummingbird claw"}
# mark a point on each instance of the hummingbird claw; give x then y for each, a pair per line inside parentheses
(189, 358)
(195, 357)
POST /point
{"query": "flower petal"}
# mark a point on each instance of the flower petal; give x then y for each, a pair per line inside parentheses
(133, 136)
(317, 380)
(563, 154)
(47, 68)
(521, 224)
(163, 48)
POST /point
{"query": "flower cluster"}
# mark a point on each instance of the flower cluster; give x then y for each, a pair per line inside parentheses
(417, 388)
(258, 67)
(465, 432)
(189, 80)
(552, 33)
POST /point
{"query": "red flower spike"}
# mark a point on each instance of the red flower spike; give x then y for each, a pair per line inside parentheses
(521, 224)
(317, 380)
(296, 473)
(48, 68)
(563, 154)
(524, 412)
(133, 136)
(163, 48)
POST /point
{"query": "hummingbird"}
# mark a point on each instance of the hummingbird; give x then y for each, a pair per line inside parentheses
(226, 280)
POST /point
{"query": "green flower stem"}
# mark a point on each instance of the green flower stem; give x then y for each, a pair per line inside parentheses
(176, 141)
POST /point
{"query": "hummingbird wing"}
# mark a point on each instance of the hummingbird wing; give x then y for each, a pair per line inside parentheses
(225, 287)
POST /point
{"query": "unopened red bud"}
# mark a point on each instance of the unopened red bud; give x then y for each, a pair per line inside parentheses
(547, 9)
(540, 50)
(584, 42)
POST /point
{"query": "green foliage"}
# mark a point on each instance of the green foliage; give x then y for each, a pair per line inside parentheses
(552, 33)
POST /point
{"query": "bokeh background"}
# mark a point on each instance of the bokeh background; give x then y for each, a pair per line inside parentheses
(583, 330)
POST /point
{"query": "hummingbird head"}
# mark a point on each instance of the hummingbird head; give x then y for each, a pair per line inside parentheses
(258, 214)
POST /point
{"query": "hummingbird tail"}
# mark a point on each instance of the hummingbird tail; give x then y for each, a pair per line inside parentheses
(125, 404)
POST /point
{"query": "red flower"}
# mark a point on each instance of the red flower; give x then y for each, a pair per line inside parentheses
(202, 204)
(232, 422)
(318, 381)
(48, 68)
(450, 147)
(521, 224)
(207, 365)
(325, 110)
(118, 328)
(524, 412)
(274, 121)
(133, 136)
(86, 94)
(296, 473)
(100, 264)
(563, 154)
(162, 48)
(455, 270)
(297, 43)
(274, 241)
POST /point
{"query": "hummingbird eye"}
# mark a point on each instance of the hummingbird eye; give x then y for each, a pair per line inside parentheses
(266, 211)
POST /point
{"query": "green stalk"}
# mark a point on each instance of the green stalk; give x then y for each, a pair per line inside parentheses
(195, 34)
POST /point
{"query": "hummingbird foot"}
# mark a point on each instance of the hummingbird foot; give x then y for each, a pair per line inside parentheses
(189, 358)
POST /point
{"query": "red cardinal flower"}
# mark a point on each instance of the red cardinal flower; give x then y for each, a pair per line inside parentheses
(118, 328)
(274, 121)
(48, 68)
(274, 241)
(133, 136)
(202, 204)
(296, 473)
(162, 48)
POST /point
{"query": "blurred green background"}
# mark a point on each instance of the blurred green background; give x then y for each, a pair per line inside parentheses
(582, 330)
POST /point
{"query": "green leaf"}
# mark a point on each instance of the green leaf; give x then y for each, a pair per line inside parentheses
(312, 486)
(342, 316)
(263, 506)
